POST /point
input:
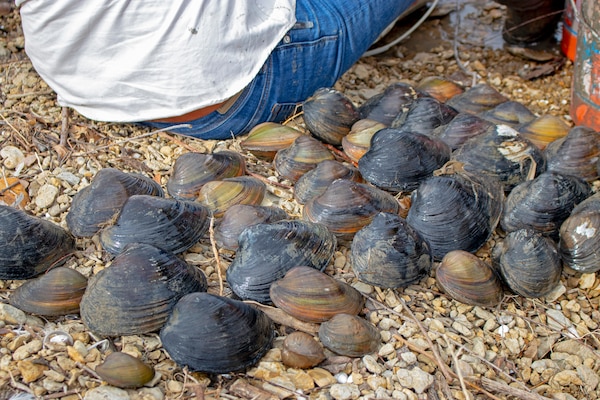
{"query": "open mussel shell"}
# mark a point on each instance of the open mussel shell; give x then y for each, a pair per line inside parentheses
(462, 128)
(30, 245)
(57, 292)
(317, 180)
(477, 99)
(302, 156)
(136, 293)
(349, 335)
(169, 224)
(94, 206)
(424, 115)
(193, 170)
(543, 130)
(240, 216)
(267, 138)
(268, 251)
(124, 370)
(387, 105)
(347, 206)
(542, 204)
(441, 89)
(216, 334)
(357, 142)
(301, 350)
(577, 153)
(511, 113)
(329, 115)
(469, 279)
(389, 253)
(398, 159)
(528, 262)
(313, 296)
(218, 196)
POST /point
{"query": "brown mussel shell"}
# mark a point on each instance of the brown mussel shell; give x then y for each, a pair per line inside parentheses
(387, 105)
(389, 253)
(57, 292)
(218, 196)
(94, 206)
(313, 296)
(424, 115)
(477, 99)
(216, 334)
(124, 370)
(268, 251)
(170, 224)
(357, 142)
(267, 138)
(543, 130)
(349, 335)
(301, 350)
(462, 128)
(30, 245)
(136, 293)
(302, 156)
(193, 170)
(329, 115)
(441, 89)
(578, 154)
(317, 180)
(511, 113)
(469, 279)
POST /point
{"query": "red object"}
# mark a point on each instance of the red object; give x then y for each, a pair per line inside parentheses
(568, 44)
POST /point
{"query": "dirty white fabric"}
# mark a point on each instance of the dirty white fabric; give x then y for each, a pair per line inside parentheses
(125, 60)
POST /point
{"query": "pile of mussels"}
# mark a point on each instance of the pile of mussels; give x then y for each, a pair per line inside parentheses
(473, 162)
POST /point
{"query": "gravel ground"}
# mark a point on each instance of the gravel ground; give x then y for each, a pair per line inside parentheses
(432, 347)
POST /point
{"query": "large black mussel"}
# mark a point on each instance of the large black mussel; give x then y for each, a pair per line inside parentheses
(398, 159)
(528, 262)
(349, 335)
(511, 113)
(30, 245)
(357, 142)
(462, 127)
(317, 180)
(302, 156)
(267, 251)
(543, 130)
(347, 206)
(542, 204)
(218, 196)
(389, 253)
(94, 206)
(424, 115)
(329, 115)
(458, 211)
(216, 334)
(477, 99)
(193, 170)
(170, 224)
(136, 293)
(267, 138)
(441, 89)
(387, 105)
(577, 153)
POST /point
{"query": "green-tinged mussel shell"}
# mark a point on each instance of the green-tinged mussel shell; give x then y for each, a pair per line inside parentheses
(302, 156)
(124, 370)
(544, 130)
(511, 113)
(267, 138)
(218, 196)
(477, 99)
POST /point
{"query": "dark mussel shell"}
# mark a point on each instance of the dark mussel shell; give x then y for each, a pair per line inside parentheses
(94, 206)
(318, 179)
(398, 160)
(477, 99)
(502, 153)
(240, 216)
(578, 153)
(169, 224)
(462, 128)
(218, 196)
(193, 170)
(543, 203)
(329, 115)
(137, 292)
(30, 245)
(57, 292)
(424, 115)
(579, 243)
(347, 206)
(528, 262)
(124, 370)
(511, 113)
(357, 142)
(439, 88)
(267, 138)
(349, 335)
(216, 334)
(302, 156)
(455, 212)
(389, 253)
(387, 105)
(544, 130)
(267, 251)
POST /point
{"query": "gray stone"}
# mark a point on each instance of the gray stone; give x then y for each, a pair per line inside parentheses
(344, 391)
(415, 379)
(12, 315)
(46, 196)
(106, 393)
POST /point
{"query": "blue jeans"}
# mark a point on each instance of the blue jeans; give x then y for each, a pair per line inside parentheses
(327, 39)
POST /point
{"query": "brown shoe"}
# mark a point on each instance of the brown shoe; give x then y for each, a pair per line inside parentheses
(530, 21)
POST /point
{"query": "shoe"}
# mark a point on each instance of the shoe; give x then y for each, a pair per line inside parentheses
(530, 21)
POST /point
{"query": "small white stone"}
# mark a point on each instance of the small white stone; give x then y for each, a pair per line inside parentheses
(415, 378)
(344, 391)
(46, 196)
(106, 393)
(371, 364)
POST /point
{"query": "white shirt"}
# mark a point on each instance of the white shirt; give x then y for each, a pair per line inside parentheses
(127, 60)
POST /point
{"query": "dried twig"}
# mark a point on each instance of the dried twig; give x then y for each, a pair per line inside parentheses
(501, 387)
(267, 181)
(213, 244)
(178, 142)
(281, 317)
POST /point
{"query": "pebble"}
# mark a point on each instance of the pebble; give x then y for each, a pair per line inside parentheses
(148, 394)
(589, 376)
(371, 364)
(30, 371)
(12, 156)
(415, 378)
(363, 287)
(69, 177)
(565, 378)
(46, 196)
(587, 281)
(107, 393)
(375, 382)
(12, 315)
(321, 376)
(27, 350)
(386, 349)
(344, 391)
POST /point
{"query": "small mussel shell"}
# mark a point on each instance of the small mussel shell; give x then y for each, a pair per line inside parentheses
(268, 251)
(441, 89)
(302, 156)
(468, 279)
(389, 253)
(424, 115)
(578, 153)
(387, 105)
(169, 224)
(57, 292)
(218, 196)
(349, 335)
(329, 115)
(240, 216)
(462, 127)
(94, 206)
(357, 142)
(477, 99)
(528, 262)
(318, 179)
(137, 292)
(30, 245)
(216, 334)
(313, 296)
(124, 370)
(193, 170)
(543, 130)
(347, 206)
(511, 113)
(267, 138)
(301, 350)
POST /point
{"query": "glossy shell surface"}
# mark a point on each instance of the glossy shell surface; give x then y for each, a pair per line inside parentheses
(218, 196)
(349, 335)
(577, 153)
(267, 138)
(124, 370)
(302, 156)
(301, 350)
(329, 115)
(317, 180)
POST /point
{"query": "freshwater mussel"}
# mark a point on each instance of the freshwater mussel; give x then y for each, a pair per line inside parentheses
(301, 350)
(329, 115)
(577, 153)
(124, 370)
(357, 142)
(511, 113)
(317, 180)
(267, 138)
(424, 115)
(441, 89)
(462, 128)
(302, 156)
(477, 99)
(544, 130)
(349, 335)
(218, 196)
(387, 105)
